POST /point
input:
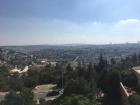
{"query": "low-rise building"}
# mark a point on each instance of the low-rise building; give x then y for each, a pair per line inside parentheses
(19, 71)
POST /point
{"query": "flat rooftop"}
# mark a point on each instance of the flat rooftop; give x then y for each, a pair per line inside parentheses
(137, 69)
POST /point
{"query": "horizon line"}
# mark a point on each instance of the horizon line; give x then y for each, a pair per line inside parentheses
(67, 44)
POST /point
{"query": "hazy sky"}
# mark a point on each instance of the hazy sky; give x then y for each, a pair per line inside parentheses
(69, 21)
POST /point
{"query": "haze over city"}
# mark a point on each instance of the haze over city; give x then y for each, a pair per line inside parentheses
(69, 52)
(28, 22)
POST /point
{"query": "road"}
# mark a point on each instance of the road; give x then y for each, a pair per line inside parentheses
(76, 59)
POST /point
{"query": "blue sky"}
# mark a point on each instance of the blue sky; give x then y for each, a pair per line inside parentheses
(24, 22)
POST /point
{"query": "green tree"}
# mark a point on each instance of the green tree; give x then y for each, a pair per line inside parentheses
(69, 68)
(15, 82)
(82, 87)
(24, 97)
(129, 78)
(4, 74)
(134, 99)
(32, 79)
(102, 65)
(110, 85)
(134, 59)
(113, 61)
(77, 100)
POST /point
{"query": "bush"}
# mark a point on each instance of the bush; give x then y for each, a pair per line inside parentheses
(129, 79)
(77, 100)
(24, 97)
(134, 100)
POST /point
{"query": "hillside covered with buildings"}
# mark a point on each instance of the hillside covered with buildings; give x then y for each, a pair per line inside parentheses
(50, 77)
